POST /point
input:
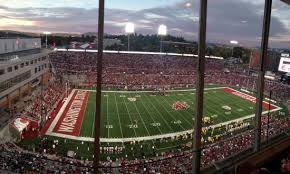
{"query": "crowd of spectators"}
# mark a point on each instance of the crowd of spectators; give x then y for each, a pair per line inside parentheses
(43, 100)
(12, 158)
(211, 153)
(134, 71)
(244, 80)
(139, 71)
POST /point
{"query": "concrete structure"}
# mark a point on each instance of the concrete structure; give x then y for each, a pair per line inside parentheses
(14, 45)
(21, 71)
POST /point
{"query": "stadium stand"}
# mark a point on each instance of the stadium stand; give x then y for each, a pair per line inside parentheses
(137, 72)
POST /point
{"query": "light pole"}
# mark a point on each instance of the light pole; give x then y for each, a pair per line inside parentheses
(129, 29)
(162, 31)
(46, 33)
(233, 42)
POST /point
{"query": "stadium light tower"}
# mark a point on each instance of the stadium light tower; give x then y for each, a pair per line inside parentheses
(46, 33)
(233, 42)
(162, 31)
(129, 29)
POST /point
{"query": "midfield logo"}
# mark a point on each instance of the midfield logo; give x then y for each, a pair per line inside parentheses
(180, 105)
(132, 99)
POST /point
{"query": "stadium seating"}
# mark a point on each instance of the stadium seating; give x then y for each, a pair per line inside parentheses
(136, 72)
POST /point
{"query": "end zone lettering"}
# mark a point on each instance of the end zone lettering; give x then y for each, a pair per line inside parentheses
(247, 97)
(70, 121)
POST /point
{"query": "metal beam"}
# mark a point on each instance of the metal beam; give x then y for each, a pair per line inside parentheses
(199, 88)
(261, 73)
(99, 86)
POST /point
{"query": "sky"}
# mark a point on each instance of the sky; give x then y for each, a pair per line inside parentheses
(239, 20)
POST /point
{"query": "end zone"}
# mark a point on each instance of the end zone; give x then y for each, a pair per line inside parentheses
(69, 119)
(249, 98)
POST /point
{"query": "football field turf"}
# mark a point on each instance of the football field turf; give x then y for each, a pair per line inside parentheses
(142, 114)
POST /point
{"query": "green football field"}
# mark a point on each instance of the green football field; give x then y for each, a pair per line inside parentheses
(142, 114)
(137, 121)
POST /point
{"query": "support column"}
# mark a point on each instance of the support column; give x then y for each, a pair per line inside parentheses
(261, 73)
(7, 103)
(99, 86)
(199, 88)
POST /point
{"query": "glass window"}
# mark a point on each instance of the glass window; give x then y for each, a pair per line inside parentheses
(13, 81)
(9, 69)
(2, 71)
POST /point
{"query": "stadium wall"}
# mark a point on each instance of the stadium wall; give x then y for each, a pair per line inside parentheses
(13, 45)
(4, 102)
(45, 78)
(7, 101)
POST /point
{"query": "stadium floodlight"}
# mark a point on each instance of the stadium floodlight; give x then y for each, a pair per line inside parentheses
(46, 33)
(129, 29)
(162, 31)
(188, 4)
(233, 42)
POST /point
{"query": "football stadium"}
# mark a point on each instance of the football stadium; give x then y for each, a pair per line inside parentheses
(141, 102)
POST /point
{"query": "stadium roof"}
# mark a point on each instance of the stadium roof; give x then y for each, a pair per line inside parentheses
(286, 1)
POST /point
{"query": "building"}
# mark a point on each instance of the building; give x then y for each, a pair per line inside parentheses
(23, 66)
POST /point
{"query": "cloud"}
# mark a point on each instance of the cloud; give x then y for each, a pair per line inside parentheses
(227, 20)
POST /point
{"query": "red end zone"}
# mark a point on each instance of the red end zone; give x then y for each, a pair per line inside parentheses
(247, 97)
(71, 119)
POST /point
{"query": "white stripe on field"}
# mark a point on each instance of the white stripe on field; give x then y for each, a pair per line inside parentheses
(59, 114)
(177, 90)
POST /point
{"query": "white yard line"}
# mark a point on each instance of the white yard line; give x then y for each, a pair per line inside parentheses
(108, 116)
(141, 119)
(183, 118)
(170, 113)
(160, 114)
(143, 122)
(87, 102)
(129, 116)
(119, 116)
(93, 128)
(150, 116)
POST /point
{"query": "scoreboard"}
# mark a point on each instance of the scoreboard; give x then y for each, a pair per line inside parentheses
(284, 65)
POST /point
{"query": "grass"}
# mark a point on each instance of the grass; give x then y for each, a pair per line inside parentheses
(119, 115)
(153, 114)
